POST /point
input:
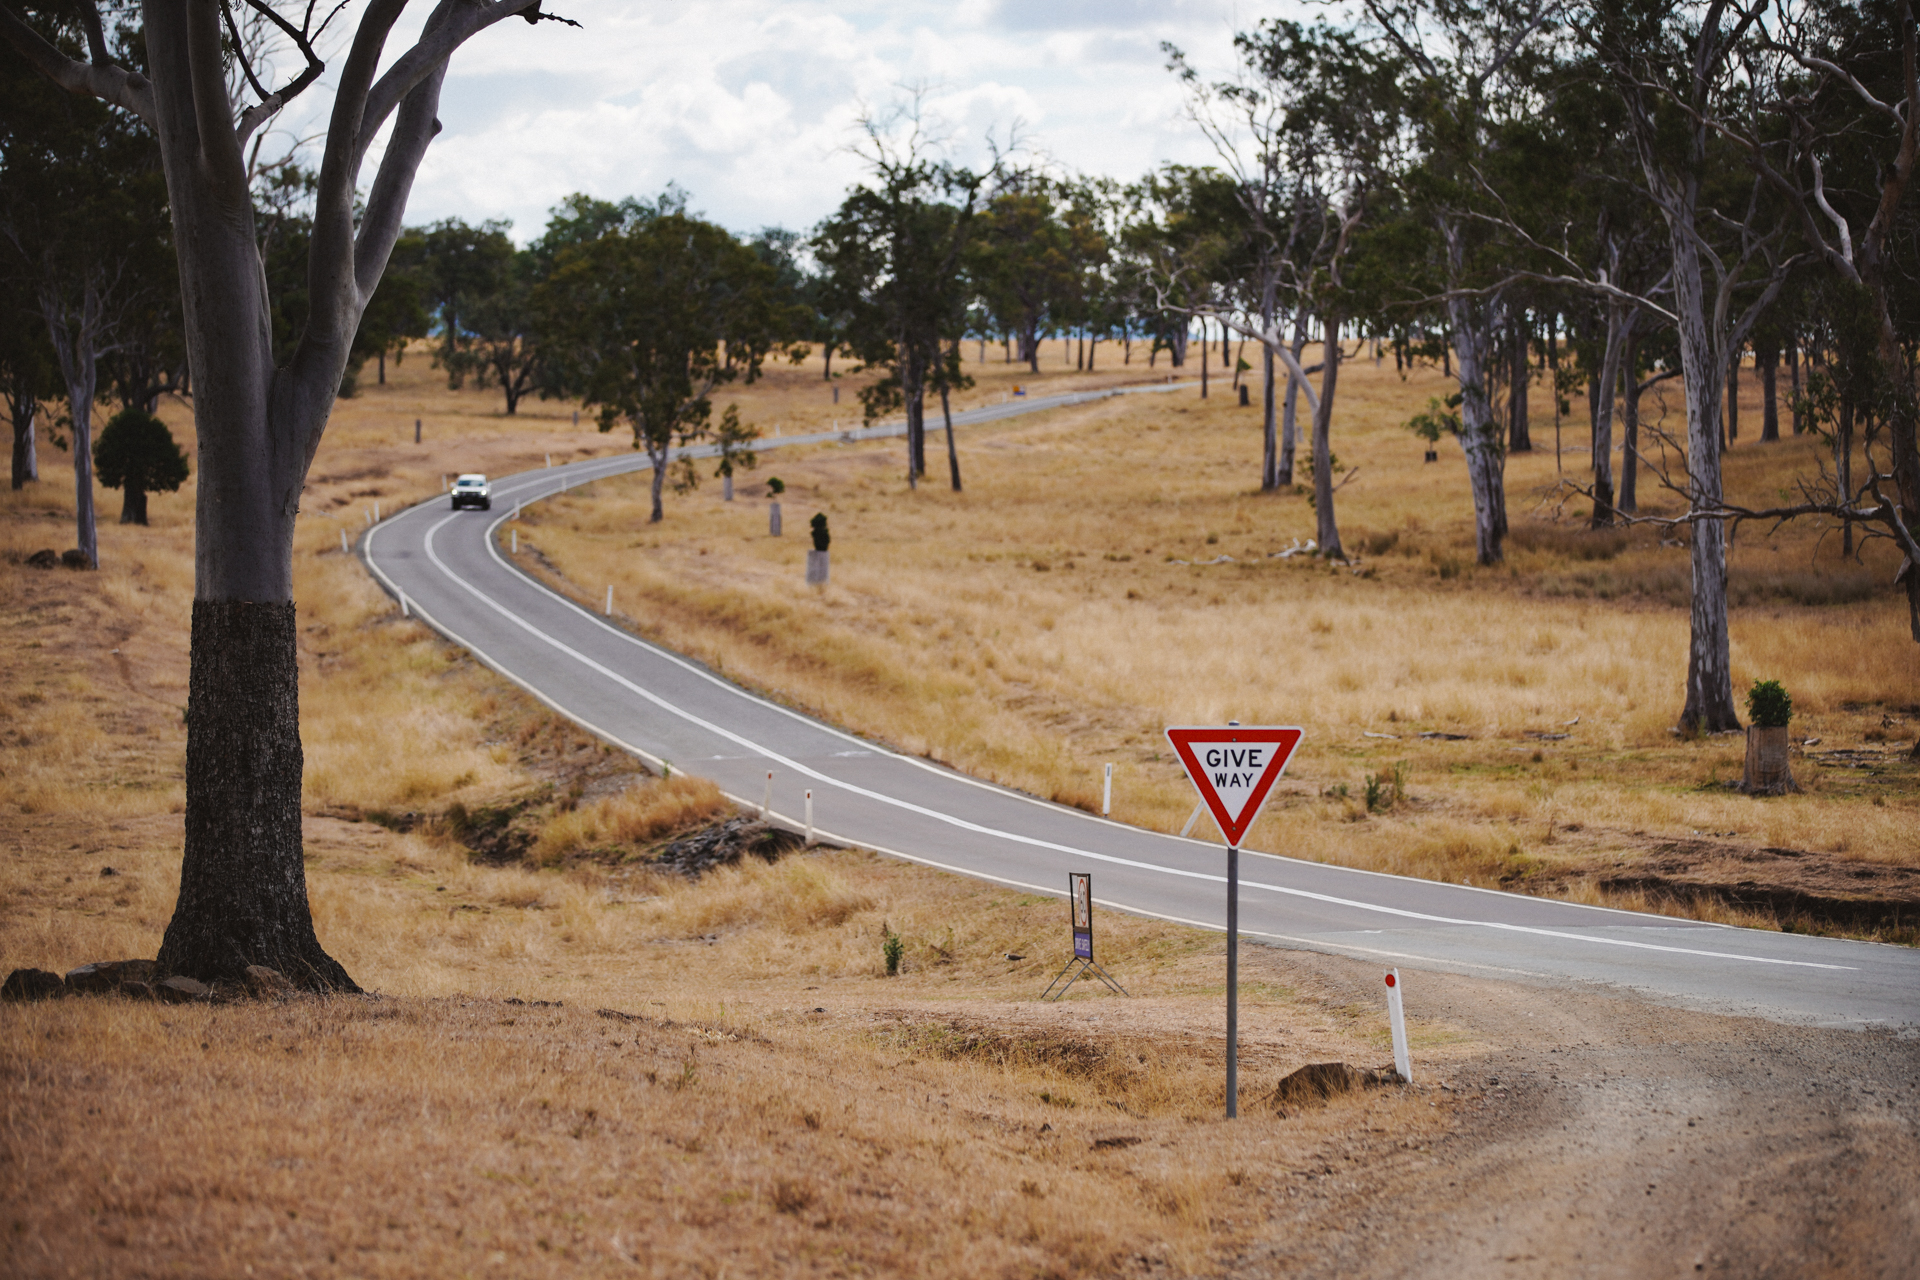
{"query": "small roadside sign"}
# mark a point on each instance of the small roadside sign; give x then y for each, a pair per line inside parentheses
(1234, 767)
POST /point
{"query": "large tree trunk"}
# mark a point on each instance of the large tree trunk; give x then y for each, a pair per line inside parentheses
(133, 504)
(1709, 703)
(658, 480)
(80, 408)
(1733, 396)
(1480, 434)
(26, 458)
(1328, 531)
(243, 887)
(1843, 466)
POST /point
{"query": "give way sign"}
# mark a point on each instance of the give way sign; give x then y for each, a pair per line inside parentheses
(1234, 766)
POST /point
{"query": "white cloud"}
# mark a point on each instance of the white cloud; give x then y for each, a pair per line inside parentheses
(751, 107)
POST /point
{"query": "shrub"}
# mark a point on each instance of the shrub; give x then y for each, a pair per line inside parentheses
(892, 948)
(821, 538)
(1768, 705)
(137, 453)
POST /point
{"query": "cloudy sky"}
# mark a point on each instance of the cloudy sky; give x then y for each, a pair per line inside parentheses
(751, 106)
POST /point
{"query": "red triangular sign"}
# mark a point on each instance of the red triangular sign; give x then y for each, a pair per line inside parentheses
(1234, 766)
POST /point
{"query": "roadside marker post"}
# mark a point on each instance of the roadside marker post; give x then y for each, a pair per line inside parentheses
(344, 550)
(1106, 795)
(1397, 1015)
(1233, 767)
(515, 534)
(809, 819)
(766, 800)
(609, 599)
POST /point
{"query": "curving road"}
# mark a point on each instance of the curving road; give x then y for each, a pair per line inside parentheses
(662, 707)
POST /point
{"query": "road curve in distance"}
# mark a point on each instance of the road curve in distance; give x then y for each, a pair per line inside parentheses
(665, 708)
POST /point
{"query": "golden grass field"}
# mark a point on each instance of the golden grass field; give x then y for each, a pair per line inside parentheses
(761, 1099)
(1060, 612)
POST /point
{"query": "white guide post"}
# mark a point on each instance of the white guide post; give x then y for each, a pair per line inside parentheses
(609, 599)
(766, 800)
(549, 459)
(376, 511)
(1397, 1015)
(344, 549)
(809, 819)
(404, 612)
(515, 533)
(1106, 795)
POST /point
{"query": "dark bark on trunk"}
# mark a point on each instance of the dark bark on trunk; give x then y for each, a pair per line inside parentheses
(1204, 360)
(382, 357)
(1519, 432)
(1327, 531)
(26, 459)
(1770, 396)
(243, 898)
(953, 454)
(133, 504)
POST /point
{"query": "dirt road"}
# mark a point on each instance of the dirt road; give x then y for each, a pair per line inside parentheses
(1616, 1138)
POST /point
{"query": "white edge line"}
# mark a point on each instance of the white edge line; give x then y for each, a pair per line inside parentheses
(950, 819)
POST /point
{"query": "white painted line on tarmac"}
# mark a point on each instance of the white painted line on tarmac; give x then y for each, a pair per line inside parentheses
(649, 696)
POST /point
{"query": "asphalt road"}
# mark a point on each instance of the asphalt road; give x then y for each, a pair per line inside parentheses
(666, 708)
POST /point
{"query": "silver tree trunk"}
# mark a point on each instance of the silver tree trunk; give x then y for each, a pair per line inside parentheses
(1327, 531)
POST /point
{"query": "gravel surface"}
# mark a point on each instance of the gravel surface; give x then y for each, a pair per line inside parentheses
(1596, 1135)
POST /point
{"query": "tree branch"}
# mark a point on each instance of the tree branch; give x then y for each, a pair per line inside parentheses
(452, 25)
(128, 90)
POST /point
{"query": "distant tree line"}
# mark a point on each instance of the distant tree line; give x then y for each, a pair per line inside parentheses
(1587, 199)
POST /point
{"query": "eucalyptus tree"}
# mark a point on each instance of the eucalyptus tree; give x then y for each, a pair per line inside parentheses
(1460, 87)
(460, 266)
(639, 321)
(894, 252)
(28, 375)
(243, 897)
(1832, 127)
(83, 218)
(1305, 130)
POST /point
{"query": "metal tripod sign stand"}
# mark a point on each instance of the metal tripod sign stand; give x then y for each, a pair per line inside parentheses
(1080, 901)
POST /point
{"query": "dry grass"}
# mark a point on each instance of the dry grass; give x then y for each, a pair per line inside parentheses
(773, 1105)
(1044, 623)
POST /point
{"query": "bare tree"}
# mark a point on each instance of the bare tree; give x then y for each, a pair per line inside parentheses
(243, 898)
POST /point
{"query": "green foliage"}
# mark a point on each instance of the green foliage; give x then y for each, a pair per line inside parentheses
(1768, 704)
(821, 538)
(776, 486)
(1385, 790)
(1441, 418)
(891, 949)
(733, 439)
(135, 450)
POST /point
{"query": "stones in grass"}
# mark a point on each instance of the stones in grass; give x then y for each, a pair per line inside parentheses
(268, 984)
(723, 844)
(181, 990)
(77, 559)
(47, 558)
(1318, 1082)
(32, 984)
(104, 977)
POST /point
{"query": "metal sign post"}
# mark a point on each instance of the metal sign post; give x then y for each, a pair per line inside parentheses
(1233, 767)
(1080, 908)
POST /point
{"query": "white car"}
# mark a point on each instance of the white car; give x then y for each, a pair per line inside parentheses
(472, 491)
